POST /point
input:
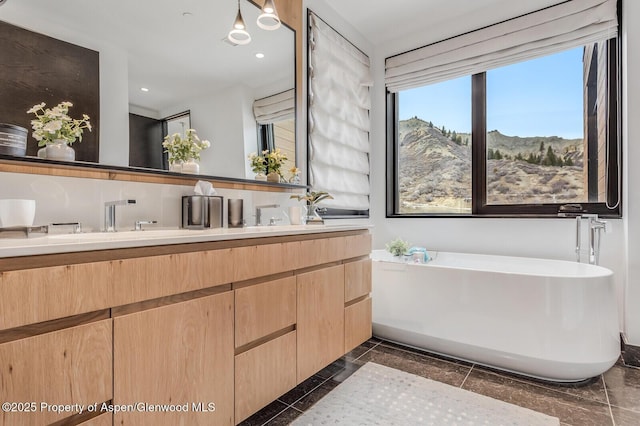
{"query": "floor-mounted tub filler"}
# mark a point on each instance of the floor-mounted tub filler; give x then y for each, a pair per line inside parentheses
(549, 319)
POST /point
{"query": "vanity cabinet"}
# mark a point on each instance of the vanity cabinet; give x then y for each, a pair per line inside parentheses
(180, 354)
(225, 327)
(105, 419)
(320, 319)
(357, 311)
(265, 343)
(68, 366)
(264, 373)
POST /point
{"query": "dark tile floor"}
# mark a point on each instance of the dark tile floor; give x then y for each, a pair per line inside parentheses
(610, 399)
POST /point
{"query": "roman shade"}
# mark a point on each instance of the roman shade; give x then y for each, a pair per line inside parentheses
(278, 107)
(338, 128)
(567, 25)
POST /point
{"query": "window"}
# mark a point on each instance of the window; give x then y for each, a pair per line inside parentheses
(339, 99)
(434, 148)
(279, 135)
(521, 139)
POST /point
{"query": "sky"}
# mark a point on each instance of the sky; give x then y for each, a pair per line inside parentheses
(540, 97)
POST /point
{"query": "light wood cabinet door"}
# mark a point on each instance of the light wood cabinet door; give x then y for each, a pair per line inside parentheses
(70, 366)
(176, 354)
(105, 419)
(264, 308)
(264, 373)
(320, 325)
(357, 324)
(357, 279)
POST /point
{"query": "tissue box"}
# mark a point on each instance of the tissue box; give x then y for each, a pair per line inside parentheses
(201, 211)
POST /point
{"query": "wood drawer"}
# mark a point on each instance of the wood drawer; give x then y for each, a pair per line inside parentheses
(263, 309)
(35, 295)
(105, 419)
(266, 259)
(326, 250)
(264, 373)
(357, 279)
(70, 366)
(357, 324)
(146, 278)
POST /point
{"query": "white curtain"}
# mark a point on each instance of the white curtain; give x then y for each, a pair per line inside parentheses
(551, 30)
(339, 103)
(278, 107)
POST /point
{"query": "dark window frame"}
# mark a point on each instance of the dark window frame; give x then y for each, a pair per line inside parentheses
(479, 206)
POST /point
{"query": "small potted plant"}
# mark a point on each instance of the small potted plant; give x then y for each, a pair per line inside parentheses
(313, 198)
(258, 165)
(55, 131)
(295, 175)
(184, 153)
(275, 159)
(398, 247)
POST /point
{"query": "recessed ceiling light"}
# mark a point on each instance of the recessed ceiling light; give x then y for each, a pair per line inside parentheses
(259, 55)
(187, 14)
(144, 89)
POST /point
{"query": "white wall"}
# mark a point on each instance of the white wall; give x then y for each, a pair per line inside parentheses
(114, 106)
(65, 199)
(546, 238)
(631, 151)
(222, 119)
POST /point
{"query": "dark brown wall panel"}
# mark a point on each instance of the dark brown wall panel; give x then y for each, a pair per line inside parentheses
(36, 68)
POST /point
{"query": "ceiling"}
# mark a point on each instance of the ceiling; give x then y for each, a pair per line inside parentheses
(174, 48)
(381, 21)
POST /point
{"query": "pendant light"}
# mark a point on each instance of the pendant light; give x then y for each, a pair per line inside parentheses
(238, 33)
(269, 19)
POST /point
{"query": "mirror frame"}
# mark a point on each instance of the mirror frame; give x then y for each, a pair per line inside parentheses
(290, 13)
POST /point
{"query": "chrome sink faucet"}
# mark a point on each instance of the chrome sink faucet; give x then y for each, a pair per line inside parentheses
(110, 213)
(259, 212)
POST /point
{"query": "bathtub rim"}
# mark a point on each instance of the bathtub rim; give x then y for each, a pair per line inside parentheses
(597, 271)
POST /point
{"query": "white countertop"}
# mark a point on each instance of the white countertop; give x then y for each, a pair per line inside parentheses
(65, 243)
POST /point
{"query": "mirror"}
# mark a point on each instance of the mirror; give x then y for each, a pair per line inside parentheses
(179, 52)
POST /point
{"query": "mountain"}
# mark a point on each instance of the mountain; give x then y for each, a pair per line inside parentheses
(425, 151)
(435, 168)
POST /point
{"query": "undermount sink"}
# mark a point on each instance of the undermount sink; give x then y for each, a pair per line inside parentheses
(127, 235)
(264, 228)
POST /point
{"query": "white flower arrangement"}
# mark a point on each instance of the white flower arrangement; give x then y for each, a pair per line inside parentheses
(53, 124)
(184, 149)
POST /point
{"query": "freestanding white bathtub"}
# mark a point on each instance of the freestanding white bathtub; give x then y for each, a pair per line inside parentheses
(549, 319)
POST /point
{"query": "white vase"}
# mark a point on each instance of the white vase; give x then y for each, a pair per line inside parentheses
(191, 167)
(59, 150)
(261, 176)
(175, 167)
(313, 217)
(273, 177)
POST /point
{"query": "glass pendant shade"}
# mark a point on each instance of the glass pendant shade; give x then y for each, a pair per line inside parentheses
(269, 19)
(238, 33)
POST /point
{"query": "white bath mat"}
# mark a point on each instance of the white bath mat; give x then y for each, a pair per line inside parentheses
(379, 395)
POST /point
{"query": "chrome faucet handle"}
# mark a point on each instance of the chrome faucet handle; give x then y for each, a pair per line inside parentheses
(76, 227)
(273, 221)
(139, 223)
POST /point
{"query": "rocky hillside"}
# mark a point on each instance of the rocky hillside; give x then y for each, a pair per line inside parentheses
(435, 169)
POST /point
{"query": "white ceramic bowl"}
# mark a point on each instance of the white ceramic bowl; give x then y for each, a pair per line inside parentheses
(17, 213)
